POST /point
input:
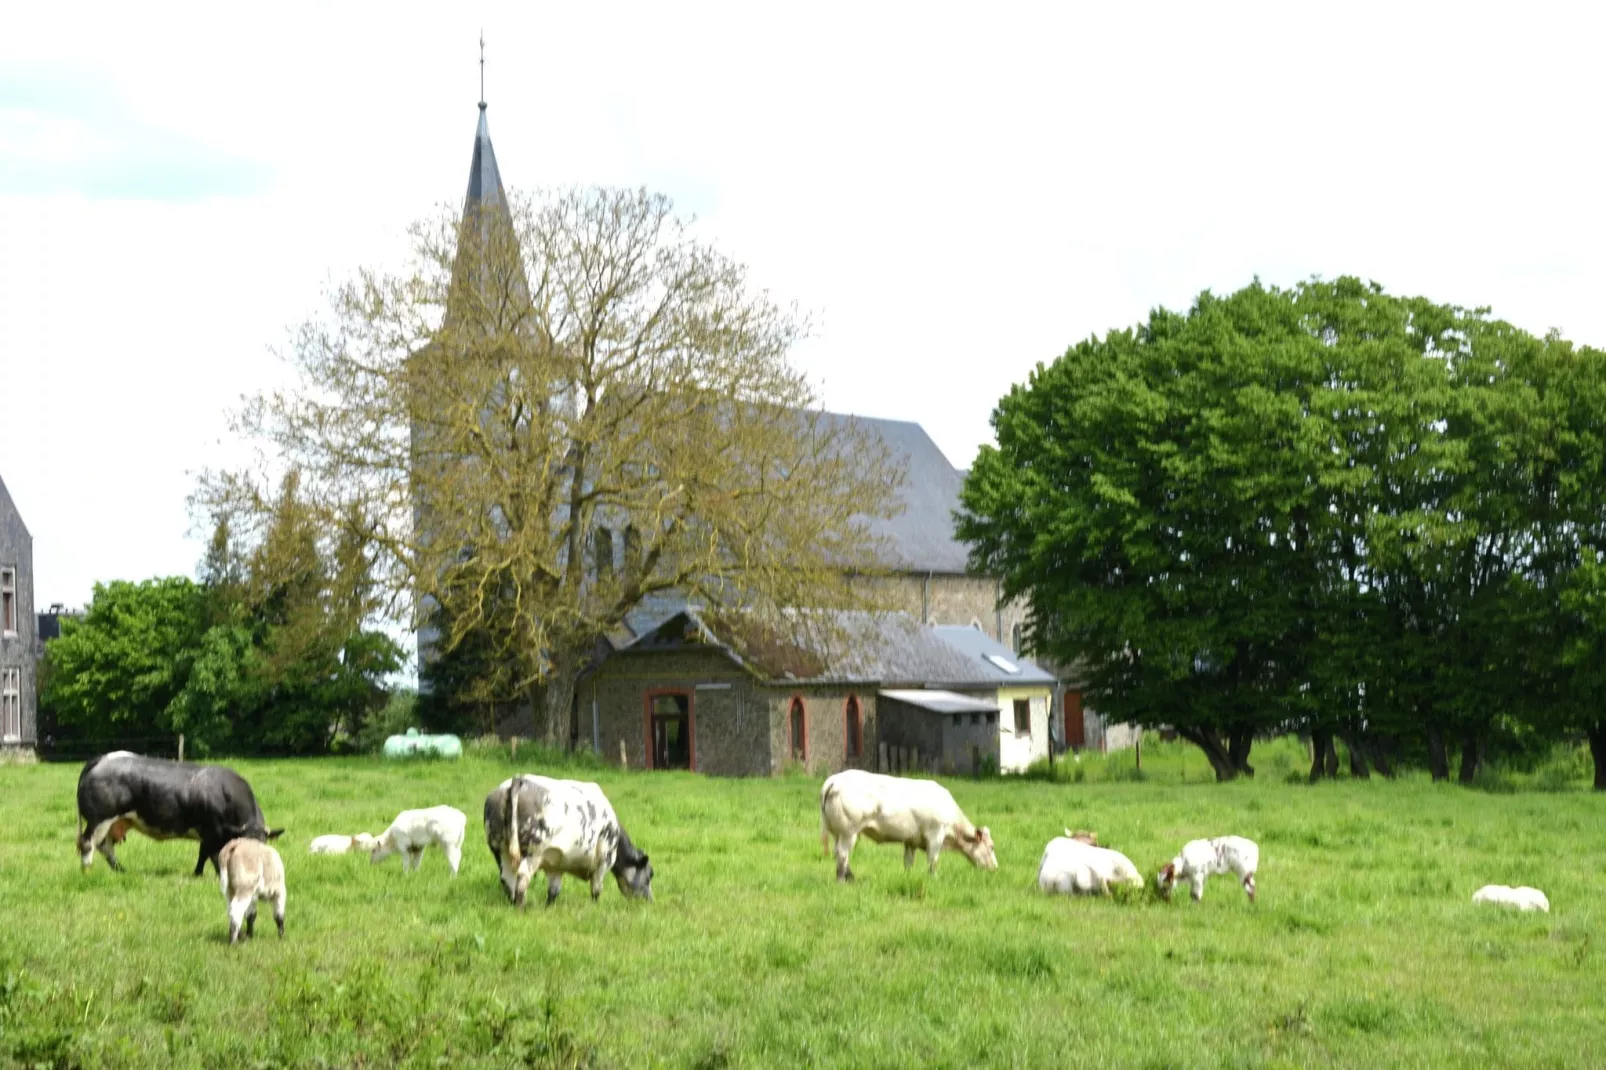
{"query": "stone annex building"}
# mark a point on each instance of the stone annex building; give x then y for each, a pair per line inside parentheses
(18, 656)
(672, 694)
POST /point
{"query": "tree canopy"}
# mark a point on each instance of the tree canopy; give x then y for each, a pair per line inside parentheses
(1325, 508)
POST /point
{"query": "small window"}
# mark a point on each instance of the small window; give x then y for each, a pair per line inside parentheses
(602, 552)
(800, 731)
(975, 718)
(1017, 637)
(1023, 717)
(8, 600)
(11, 705)
(1001, 662)
(632, 548)
(992, 718)
(854, 728)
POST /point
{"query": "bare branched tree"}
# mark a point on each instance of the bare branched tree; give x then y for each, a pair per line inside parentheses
(564, 408)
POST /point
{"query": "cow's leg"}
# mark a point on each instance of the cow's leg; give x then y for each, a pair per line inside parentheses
(415, 856)
(454, 857)
(596, 883)
(1198, 887)
(908, 856)
(844, 855)
(94, 839)
(278, 911)
(200, 860)
(108, 849)
(251, 919)
(1249, 886)
(554, 885)
(237, 915)
(934, 844)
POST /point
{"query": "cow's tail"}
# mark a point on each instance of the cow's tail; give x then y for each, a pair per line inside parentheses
(826, 796)
(513, 822)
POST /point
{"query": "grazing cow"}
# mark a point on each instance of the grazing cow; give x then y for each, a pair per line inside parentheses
(1523, 899)
(414, 830)
(557, 827)
(920, 814)
(1200, 859)
(165, 800)
(1073, 864)
(249, 870)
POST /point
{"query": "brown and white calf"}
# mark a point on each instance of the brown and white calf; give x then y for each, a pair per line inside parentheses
(1201, 859)
(249, 870)
(920, 814)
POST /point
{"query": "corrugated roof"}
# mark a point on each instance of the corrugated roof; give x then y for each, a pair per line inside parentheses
(941, 701)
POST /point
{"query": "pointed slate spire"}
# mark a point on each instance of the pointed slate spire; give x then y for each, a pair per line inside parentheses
(484, 179)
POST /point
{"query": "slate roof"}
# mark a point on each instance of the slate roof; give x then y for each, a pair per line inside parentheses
(857, 648)
(484, 178)
(922, 536)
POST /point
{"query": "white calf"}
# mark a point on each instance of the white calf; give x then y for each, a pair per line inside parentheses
(1524, 898)
(249, 870)
(920, 814)
(1200, 859)
(339, 845)
(1073, 866)
(414, 830)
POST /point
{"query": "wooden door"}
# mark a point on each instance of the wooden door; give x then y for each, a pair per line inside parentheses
(1075, 731)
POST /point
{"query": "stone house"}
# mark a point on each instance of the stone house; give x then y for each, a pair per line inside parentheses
(882, 691)
(18, 657)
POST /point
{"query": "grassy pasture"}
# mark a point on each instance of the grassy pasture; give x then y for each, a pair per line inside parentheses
(1363, 949)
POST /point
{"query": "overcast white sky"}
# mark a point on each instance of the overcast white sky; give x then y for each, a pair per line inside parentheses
(956, 192)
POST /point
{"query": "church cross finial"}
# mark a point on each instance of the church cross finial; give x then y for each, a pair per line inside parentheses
(482, 69)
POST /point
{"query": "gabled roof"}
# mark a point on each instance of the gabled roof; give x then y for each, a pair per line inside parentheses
(921, 537)
(9, 506)
(851, 648)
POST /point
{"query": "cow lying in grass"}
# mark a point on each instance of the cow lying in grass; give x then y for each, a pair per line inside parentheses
(920, 814)
(415, 830)
(339, 845)
(1200, 859)
(1523, 898)
(1073, 864)
(558, 827)
(249, 870)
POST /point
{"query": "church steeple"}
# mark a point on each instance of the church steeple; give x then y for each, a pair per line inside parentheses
(484, 179)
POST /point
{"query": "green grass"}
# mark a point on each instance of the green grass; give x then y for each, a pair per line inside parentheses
(1363, 950)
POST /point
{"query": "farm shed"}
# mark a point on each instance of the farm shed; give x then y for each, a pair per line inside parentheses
(866, 691)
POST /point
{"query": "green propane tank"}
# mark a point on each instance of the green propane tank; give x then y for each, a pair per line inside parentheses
(415, 744)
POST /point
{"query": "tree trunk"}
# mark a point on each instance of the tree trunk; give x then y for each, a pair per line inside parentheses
(1207, 740)
(1318, 747)
(1357, 758)
(1438, 758)
(1471, 758)
(557, 702)
(1597, 750)
(1380, 747)
(1238, 743)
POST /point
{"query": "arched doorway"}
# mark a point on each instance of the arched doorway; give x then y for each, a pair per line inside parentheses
(852, 729)
(798, 718)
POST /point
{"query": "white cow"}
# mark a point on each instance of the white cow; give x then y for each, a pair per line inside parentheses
(1073, 866)
(414, 830)
(1201, 859)
(1523, 899)
(339, 845)
(920, 814)
(249, 870)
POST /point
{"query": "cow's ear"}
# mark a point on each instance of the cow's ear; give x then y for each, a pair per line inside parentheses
(274, 834)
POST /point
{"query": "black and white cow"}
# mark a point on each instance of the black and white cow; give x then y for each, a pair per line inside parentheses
(560, 826)
(165, 800)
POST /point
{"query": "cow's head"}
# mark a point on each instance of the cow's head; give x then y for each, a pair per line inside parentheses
(1084, 836)
(1166, 879)
(364, 842)
(635, 878)
(977, 846)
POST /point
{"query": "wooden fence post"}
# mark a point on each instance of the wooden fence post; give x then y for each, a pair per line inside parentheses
(882, 765)
(181, 746)
(624, 756)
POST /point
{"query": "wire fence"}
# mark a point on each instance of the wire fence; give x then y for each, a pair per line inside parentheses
(51, 748)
